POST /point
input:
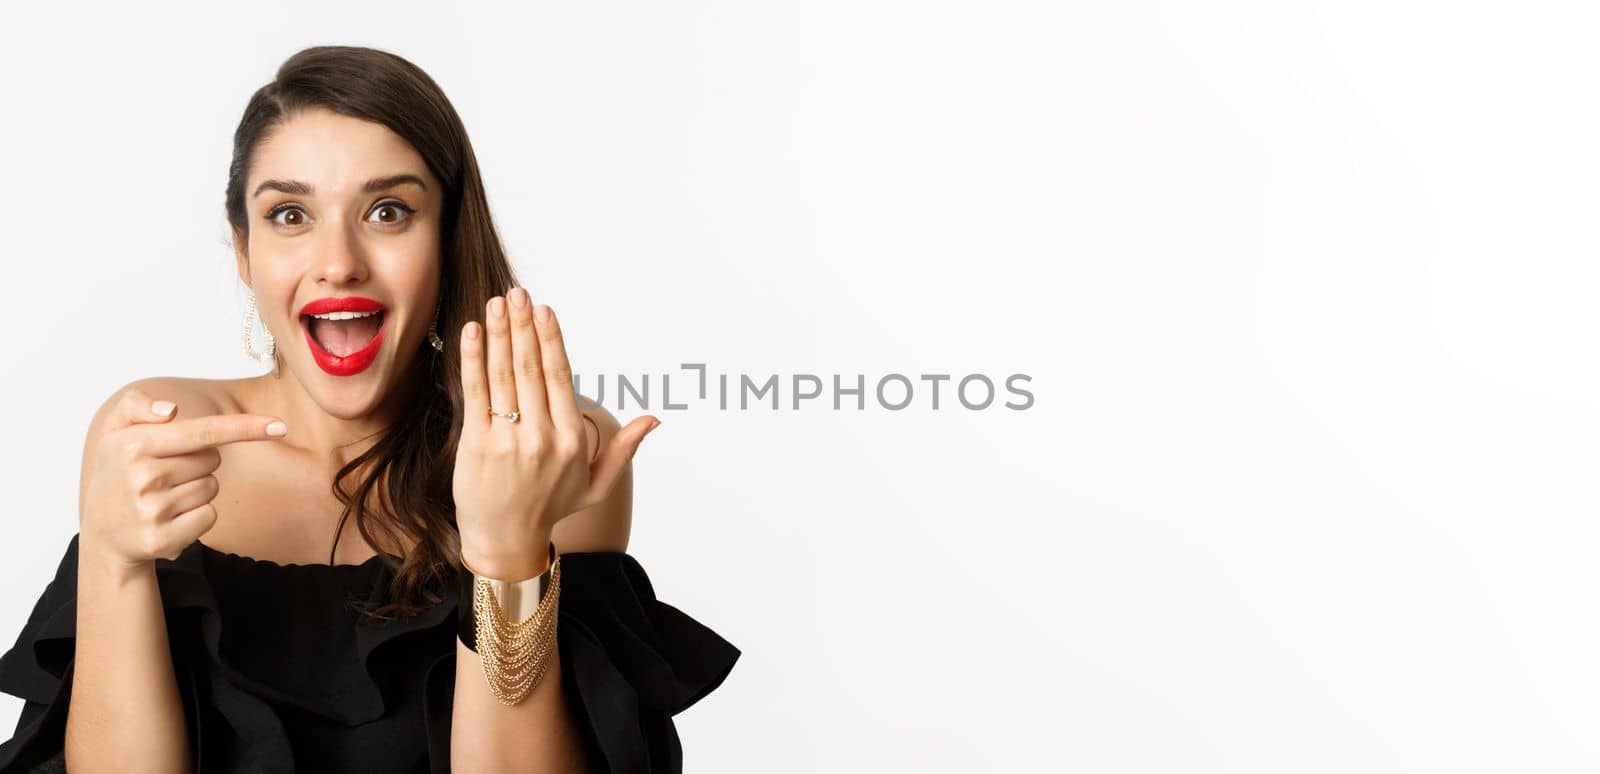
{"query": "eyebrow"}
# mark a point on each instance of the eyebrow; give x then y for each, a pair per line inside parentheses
(371, 186)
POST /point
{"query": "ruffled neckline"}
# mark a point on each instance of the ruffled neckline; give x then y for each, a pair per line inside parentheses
(629, 663)
(191, 581)
(375, 559)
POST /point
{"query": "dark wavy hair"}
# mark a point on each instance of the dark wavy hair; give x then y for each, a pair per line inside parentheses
(417, 452)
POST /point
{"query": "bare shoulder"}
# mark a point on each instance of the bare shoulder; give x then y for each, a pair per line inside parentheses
(600, 427)
(195, 397)
(605, 526)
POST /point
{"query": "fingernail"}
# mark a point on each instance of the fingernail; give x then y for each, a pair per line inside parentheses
(277, 428)
(163, 407)
(542, 312)
(497, 306)
(519, 297)
(472, 331)
(652, 427)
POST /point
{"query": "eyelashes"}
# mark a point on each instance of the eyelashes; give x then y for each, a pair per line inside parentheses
(405, 212)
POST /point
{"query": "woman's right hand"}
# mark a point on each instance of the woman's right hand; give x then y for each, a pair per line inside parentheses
(149, 478)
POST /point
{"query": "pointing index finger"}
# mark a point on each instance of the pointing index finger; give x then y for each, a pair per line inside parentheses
(191, 435)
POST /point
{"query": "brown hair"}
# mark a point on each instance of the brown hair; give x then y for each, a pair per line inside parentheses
(417, 452)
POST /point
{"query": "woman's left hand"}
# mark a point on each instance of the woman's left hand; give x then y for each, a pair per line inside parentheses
(514, 480)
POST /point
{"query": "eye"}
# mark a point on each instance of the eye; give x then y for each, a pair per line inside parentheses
(299, 220)
(391, 212)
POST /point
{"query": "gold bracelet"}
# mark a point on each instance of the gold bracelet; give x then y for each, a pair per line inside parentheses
(512, 627)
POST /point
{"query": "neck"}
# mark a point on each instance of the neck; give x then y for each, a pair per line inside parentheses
(333, 440)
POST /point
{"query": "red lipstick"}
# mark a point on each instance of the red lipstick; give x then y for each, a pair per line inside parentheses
(355, 362)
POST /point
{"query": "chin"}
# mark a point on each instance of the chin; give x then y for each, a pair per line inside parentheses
(343, 402)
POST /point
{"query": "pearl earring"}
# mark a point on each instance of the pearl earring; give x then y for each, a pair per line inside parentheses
(247, 333)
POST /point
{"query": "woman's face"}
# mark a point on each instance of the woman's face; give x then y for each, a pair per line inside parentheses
(344, 218)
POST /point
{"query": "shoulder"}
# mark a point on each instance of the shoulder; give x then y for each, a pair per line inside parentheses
(600, 426)
(194, 397)
(604, 526)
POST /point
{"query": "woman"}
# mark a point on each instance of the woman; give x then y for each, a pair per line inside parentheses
(488, 619)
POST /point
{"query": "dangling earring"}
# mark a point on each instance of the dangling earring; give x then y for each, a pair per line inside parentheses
(433, 332)
(249, 329)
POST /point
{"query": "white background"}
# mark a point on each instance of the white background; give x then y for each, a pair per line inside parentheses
(1305, 291)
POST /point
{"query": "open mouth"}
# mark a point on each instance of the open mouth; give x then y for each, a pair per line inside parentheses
(342, 334)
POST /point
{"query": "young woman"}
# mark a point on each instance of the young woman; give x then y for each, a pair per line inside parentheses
(208, 617)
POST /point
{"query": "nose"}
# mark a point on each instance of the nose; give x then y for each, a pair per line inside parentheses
(342, 259)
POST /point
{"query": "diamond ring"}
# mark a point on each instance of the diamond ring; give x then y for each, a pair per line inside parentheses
(511, 417)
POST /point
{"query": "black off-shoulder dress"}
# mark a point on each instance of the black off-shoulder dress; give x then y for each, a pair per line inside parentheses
(279, 674)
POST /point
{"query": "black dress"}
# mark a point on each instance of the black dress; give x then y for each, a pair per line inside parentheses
(279, 674)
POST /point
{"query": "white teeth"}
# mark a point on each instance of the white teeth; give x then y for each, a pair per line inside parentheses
(343, 315)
